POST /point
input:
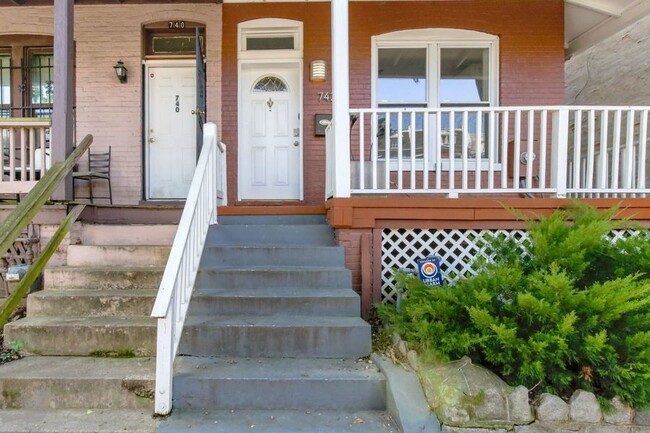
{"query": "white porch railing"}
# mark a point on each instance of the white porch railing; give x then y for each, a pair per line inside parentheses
(534, 151)
(23, 159)
(180, 273)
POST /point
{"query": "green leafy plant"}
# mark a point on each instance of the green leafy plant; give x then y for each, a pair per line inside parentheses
(12, 352)
(570, 310)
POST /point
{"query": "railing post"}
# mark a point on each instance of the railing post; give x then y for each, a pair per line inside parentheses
(164, 364)
(559, 152)
(341, 94)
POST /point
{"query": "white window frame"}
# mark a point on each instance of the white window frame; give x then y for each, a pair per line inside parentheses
(434, 40)
(270, 27)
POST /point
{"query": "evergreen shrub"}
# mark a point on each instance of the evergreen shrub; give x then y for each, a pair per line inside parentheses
(569, 310)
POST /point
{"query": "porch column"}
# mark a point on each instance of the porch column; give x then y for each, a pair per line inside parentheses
(61, 143)
(341, 95)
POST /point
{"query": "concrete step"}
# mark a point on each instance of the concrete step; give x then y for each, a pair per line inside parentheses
(311, 277)
(63, 382)
(237, 256)
(77, 421)
(82, 302)
(276, 336)
(279, 235)
(127, 234)
(269, 383)
(277, 421)
(271, 219)
(118, 255)
(56, 335)
(106, 277)
(324, 302)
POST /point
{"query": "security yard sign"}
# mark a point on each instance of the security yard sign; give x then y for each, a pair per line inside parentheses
(429, 271)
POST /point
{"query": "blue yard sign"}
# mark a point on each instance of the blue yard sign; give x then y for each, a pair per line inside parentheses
(429, 271)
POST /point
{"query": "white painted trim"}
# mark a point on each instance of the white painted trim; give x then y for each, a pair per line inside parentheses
(603, 7)
(270, 27)
(171, 63)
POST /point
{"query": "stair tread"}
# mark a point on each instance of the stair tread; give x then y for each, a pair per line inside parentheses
(275, 268)
(94, 321)
(79, 367)
(276, 292)
(117, 269)
(275, 321)
(77, 421)
(274, 369)
(278, 421)
(96, 293)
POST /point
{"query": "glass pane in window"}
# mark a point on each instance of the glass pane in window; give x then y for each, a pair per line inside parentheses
(476, 139)
(5, 85)
(409, 135)
(402, 75)
(42, 78)
(270, 84)
(464, 75)
(174, 44)
(269, 43)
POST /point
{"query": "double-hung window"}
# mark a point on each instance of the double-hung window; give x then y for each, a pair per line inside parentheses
(417, 72)
(5, 84)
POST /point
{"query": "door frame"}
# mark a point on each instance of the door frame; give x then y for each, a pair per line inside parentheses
(270, 27)
(147, 64)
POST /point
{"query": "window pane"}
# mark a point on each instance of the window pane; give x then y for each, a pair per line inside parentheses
(5, 85)
(409, 135)
(475, 139)
(269, 43)
(464, 75)
(270, 84)
(174, 44)
(42, 79)
(402, 75)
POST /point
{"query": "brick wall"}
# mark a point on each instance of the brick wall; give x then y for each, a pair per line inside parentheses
(531, 56)
(110, 111)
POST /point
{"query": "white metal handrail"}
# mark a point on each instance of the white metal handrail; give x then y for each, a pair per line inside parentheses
(494, 150)
(25, 153)
(180, 273)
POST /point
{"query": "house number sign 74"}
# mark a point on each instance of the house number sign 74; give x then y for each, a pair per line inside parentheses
(177, 104)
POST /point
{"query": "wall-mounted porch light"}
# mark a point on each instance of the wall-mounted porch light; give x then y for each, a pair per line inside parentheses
(318, 71)
(120, 71)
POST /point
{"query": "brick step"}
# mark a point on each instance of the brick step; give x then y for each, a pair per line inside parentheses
(277, 421)
(269, 383)
(313, 277)
(94, 302)
(127, 234)
(118, 255)
(106, 277)
(276, 336)
(54, 335)
(64, 382)
(238, 256)
(290, 301)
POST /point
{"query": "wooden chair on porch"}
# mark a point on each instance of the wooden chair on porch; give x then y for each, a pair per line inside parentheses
(99, 168)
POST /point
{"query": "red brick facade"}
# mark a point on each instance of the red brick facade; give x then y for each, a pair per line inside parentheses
(531, 38)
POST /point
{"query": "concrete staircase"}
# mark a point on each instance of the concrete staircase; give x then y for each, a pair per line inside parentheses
(90, 340)
(273, 341)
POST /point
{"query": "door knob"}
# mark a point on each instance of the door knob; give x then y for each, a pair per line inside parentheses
(152, 140)
(198, 112)
(296, 143)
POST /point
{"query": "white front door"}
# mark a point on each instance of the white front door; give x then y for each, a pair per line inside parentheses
(270, 132)
(170, 130)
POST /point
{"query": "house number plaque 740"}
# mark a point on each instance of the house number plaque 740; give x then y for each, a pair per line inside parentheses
(177, 106)
(176, 24)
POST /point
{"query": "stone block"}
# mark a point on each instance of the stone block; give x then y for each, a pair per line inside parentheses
(541, 427)
(642, 417)
(449, 429)
(584, 407)
(623, 414)
(413, 360)
(607, 428)
(456, 415)
(519, 406)
(551, 408)
(492, 407)
(637, 429)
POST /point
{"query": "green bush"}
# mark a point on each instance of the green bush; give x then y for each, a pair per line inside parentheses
(570, 310)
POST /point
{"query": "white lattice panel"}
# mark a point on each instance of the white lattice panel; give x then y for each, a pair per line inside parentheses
(459, 249)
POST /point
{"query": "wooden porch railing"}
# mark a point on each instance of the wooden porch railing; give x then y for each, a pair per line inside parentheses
(177, 283)
(534, 151)
(25, 153)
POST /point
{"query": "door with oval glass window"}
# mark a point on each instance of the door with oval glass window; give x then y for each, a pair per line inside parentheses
(270, 136)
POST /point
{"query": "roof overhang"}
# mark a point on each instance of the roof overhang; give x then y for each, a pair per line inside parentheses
(587, 22)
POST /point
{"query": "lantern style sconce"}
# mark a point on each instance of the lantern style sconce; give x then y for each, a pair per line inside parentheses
(120, 71)
(318, 71)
